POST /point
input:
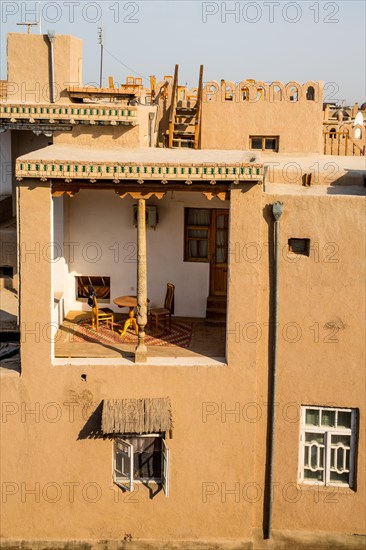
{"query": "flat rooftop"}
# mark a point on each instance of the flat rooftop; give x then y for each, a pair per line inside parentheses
(153, 155)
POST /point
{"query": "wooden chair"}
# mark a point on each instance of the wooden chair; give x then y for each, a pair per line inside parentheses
(101, 316)
(166, 311)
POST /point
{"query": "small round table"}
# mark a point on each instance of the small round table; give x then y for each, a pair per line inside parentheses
(131, 303)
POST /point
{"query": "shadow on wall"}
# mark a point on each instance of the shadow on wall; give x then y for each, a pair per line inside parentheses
(353, 182)
(268, 217)
(92, 429)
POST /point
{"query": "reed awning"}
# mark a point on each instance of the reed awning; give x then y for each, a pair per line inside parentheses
(138, 416)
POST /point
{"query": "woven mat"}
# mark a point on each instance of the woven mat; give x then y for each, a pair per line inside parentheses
(180, 335)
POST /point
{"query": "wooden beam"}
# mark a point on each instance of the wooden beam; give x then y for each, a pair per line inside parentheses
(140, 195)
(223, 196)
(197, 129)
(150, 187)
(141, 350)
(173, 107)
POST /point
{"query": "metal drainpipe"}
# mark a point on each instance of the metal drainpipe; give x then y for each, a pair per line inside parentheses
(151, 129)
(277, 209)
(51, 38)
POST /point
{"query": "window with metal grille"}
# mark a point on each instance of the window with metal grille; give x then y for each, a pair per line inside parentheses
(327, 446)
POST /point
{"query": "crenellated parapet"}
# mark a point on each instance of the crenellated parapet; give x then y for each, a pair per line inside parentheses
(247, 91)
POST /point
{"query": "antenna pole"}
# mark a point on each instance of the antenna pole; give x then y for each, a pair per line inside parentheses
(101, 39)
(39, 17)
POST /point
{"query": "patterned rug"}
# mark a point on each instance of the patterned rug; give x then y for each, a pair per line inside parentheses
(180, 335)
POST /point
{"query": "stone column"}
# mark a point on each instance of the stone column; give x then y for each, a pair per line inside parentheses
(141, 351)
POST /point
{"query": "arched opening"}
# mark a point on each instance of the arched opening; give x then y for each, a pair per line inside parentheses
(245, 94)
(261, 94)
(310, 93)
(293, 93)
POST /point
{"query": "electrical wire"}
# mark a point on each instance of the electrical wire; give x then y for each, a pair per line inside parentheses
(126, 66)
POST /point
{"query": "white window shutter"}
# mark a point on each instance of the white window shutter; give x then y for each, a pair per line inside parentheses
(123, 464)
(165, 468)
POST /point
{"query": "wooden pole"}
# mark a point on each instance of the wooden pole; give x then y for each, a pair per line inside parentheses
(141, 351)
(173, 107)
(198, 110)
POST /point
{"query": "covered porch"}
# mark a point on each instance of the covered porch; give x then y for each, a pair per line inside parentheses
(172, 225)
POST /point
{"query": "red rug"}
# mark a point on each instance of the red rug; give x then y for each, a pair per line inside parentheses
(180, 335)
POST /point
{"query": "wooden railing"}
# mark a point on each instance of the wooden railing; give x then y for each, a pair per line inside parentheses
(70, 113)
(342, 143)
(173, 106)
(93, 171)
(197, 130)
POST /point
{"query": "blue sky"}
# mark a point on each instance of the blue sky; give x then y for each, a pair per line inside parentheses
(265, 40)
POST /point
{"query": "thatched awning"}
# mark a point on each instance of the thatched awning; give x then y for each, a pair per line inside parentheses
(140, 416)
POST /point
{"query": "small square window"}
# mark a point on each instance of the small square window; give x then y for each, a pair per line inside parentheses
(271, 144)
(256, 143)
(299, 246)
(264, 143)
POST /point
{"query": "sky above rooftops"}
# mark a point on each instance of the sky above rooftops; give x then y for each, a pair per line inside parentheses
(236, 40)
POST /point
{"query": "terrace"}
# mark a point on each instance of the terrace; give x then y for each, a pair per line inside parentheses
(179, 201)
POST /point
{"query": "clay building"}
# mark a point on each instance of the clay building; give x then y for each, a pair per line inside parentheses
(188, 270)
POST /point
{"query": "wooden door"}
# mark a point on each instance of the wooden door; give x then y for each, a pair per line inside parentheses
(219, 252)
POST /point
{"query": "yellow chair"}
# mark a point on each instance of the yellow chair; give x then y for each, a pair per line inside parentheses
(101, 316)
(166, 311)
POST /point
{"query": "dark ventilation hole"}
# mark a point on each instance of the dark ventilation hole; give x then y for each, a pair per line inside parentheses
(299, 246)
(83, 377)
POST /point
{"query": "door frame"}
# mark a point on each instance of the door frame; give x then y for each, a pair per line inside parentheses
(212, 255)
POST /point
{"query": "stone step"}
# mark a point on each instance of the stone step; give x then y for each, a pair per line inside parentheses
(216, 310)
(216, 315)
(217, 302)
(215, 323)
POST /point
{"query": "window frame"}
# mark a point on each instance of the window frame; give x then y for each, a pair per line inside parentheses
(264, 138)
(189, 227)
(328, 432)
(127, 483)
(92, 282)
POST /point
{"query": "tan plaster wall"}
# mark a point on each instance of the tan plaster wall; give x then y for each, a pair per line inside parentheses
(29, 73)
(224, 451)
(100, 136)
(23, 142)
(111, 136)
(316, 365)
(228, 125)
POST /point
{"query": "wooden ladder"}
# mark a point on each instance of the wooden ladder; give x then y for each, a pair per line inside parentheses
(185, 119)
